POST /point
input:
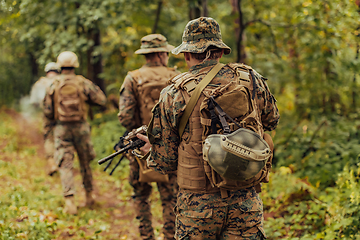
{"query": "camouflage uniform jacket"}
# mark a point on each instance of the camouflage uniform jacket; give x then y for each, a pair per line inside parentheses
(139, 93)
(94, 94)
(168, 112)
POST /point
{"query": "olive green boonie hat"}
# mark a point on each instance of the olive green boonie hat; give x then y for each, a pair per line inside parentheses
(199, 34)
(154, 43)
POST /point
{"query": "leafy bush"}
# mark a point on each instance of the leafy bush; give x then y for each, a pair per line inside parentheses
(343, 220)
(319, 149)
(291, 207)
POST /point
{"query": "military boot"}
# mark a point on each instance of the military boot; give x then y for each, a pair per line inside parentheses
(90, 200)
(70, 206)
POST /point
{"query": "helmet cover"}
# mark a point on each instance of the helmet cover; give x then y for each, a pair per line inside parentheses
(239, 155)
(68, 59)
(51, 66)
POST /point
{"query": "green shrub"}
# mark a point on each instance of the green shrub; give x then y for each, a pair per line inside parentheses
(319, 150)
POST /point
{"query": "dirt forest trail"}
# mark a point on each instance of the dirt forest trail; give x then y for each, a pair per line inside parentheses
(112, 217)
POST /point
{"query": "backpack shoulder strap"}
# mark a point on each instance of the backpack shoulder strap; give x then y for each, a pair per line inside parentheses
(196, 94)
(58, 81)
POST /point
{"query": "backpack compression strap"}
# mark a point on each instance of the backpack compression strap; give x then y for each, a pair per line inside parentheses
(195, 96)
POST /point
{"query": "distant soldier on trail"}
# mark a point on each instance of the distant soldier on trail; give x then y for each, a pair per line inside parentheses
(67, 102)
(37, 95)
(138, 94)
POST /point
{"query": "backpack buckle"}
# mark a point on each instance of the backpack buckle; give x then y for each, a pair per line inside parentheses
(190, 86)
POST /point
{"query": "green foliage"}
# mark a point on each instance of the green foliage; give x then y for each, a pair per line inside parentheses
(299, 46)
(308, 49)
(107, 131)
(31, 202)
(313, 192)
(291, 207)
(319, 149)
(343, 206)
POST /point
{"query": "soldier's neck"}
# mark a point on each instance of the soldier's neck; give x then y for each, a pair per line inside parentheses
(68, 72)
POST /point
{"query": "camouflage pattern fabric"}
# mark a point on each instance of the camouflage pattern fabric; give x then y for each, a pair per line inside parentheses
(130, 116)
(168, 112)
(154, 43)
(142, 191)
(199, 34)
(93, 92)
(203, 216)
(222, 219)
(49, 141)
(130, 101)
(71, 137)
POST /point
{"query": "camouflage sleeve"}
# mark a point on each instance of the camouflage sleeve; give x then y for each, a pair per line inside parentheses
(48, 104)
(267, 104)
(164, 135)
(95, 94)
(128, 104)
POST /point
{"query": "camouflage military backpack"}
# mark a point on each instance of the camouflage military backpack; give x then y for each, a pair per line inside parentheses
(69, 99)
(149, 85)
(234, 150)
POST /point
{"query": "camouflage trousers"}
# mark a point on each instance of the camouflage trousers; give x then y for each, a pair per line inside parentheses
(49, 141)
(71, 137)
(142, 191)
(209, 216)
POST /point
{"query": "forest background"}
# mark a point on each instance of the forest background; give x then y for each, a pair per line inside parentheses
(308, 49)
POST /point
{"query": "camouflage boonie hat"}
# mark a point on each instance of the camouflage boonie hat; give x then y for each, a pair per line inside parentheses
(199, 34)
(154, 43)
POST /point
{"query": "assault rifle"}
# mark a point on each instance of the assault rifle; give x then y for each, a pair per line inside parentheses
(127, 142)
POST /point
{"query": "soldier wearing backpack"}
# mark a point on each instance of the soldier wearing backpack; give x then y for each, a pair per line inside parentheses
(67, 102)
(37, 95)
(138, 95)
(209, 127)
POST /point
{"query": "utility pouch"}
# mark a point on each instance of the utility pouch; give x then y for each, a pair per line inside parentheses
(147, 174)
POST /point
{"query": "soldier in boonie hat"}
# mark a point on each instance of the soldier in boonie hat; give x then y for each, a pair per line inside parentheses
(199, 34)
(139, 93)
(154, 43)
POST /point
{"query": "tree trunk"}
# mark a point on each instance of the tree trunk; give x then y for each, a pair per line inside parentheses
(194, 9)
(205, 8)
(34, 66)
(354, 85)
(94, 63)
(239, 31)
(158, 11)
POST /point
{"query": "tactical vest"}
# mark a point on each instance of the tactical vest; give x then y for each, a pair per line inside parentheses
(69, 99)
(193, 172)
(149, 83)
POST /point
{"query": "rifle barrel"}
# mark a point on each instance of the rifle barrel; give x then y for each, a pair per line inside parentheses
(105, 159)
(136, 144)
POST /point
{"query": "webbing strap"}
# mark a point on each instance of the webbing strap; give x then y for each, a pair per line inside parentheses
(56, 96)
(195, 96)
